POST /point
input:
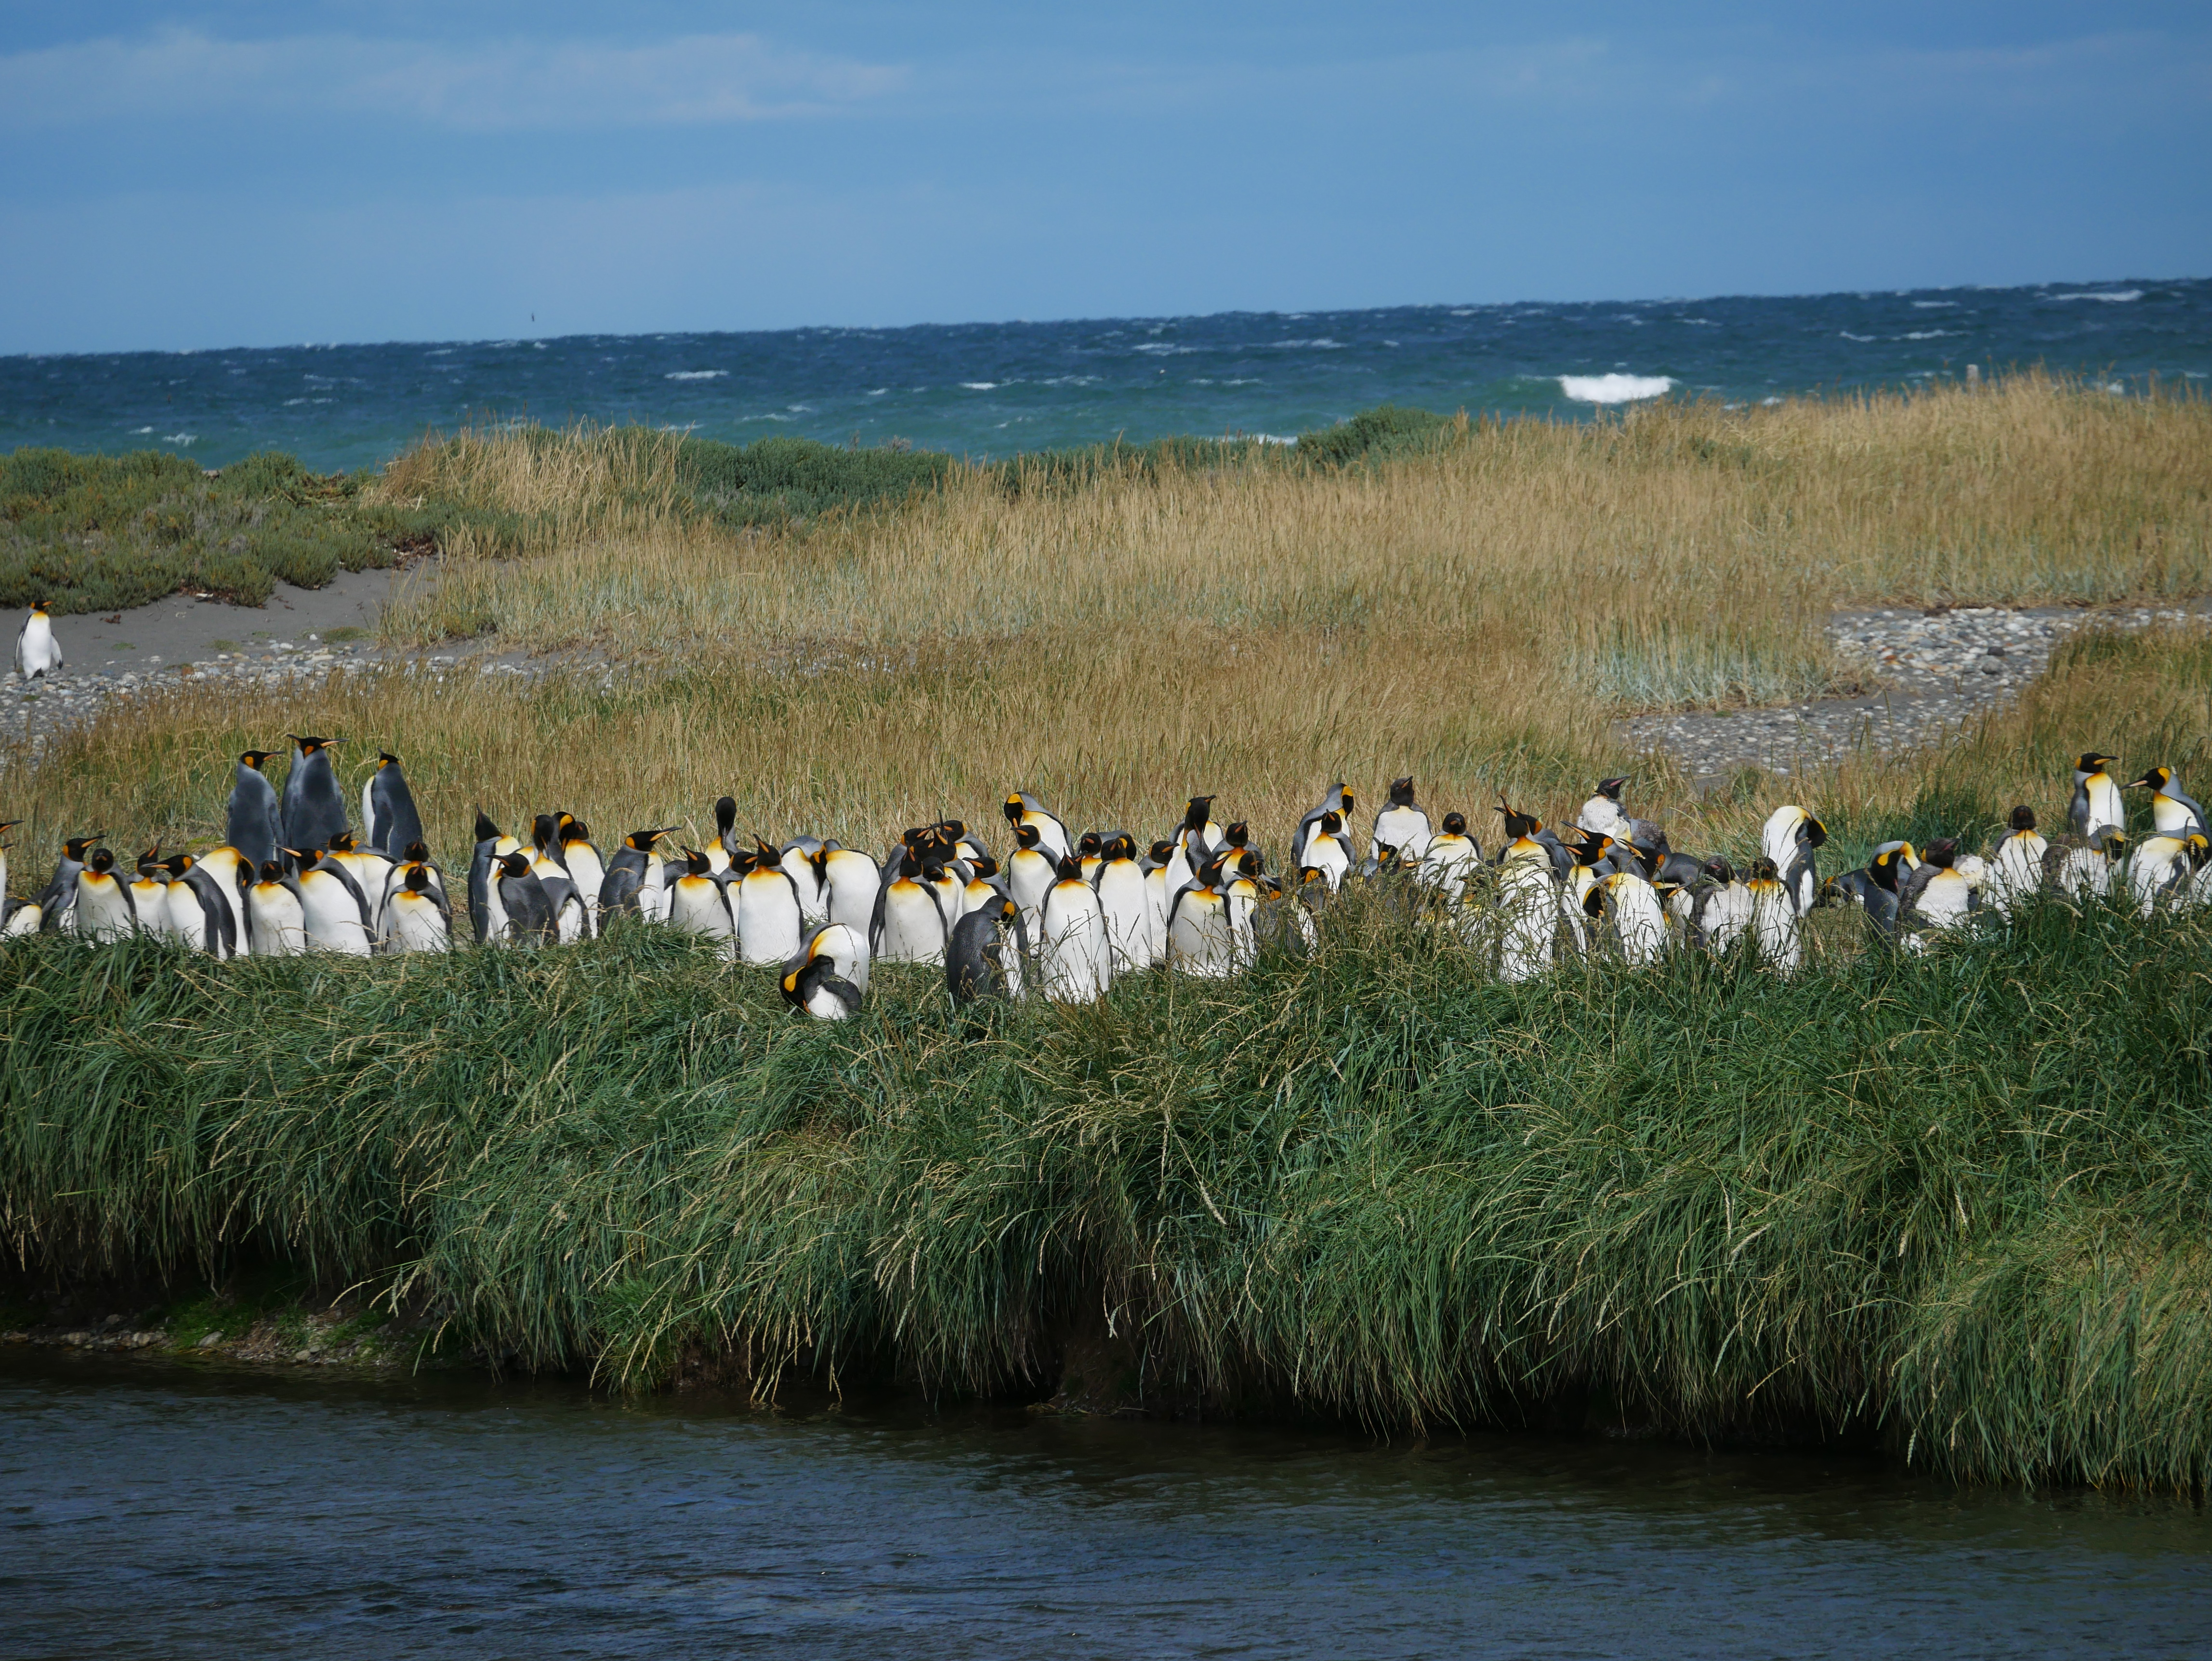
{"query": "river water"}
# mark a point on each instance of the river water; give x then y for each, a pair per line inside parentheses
(154, 1509)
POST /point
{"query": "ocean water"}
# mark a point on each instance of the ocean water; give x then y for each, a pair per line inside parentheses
(990, 389)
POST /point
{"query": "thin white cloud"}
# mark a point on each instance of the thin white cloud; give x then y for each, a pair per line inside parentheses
(485, 86)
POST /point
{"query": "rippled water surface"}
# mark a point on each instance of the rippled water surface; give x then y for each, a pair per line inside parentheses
(154, 1509)
(989, 389)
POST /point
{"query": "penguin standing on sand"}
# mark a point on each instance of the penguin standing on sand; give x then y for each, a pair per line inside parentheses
(313, 810)
(418, 917)
(828, 977)
(2096, 805)
(1401, 824)
(256, 825)
(2173, 813)
(1075, 963)
(634, 880)
(37, 653)
(1789, 838)
(276, 921)
(985, 957)
(2016, 873)
(388, 819)
(57, 901)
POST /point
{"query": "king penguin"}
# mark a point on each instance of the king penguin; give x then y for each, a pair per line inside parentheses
(2173, 813)
(584, 867)
(104, 911)
(1022, 808)
(57, 901)
(796, 858)
(1789, 838)
(276, 921)
(2161, 870)
(149, 893)
(770, 920)
(2096, 804)
(1401, 824)
(372, 872)
(1937, 897)
(485, 912)
(908, 926)
(1523, 924)
(1603, 812)
(256, 826)
(389, 821)
(699, 904)
(985, 957)
(1200, 940)
(531, 919)
(1451, 858)
(1775, 916)
(227, 874)
(1031, 873)
(418, 917)
(200, 912)
(1329, 849)
(1122, 899)
(1720, 907)
(313, 810)
(634, 882)
(333, 909)
(851, 879)
(828, 977)
(1075, 964)
(1337, 800)
(37, 653)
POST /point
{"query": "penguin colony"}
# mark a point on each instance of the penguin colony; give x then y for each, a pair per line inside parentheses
(1068, 913)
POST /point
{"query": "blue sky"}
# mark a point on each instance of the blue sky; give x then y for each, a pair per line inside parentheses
(260, 175)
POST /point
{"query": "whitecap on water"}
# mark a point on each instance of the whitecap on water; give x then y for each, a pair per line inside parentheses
(2116, 297)
(1929, 334)
(1848, 335)
(1613, 388)
(694, 374)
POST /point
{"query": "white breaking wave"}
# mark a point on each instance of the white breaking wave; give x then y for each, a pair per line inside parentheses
(695, 374)
(1929, 334)
(982, 386)
(1848, 335)
(1932, 305)
(1165, 348)
(2116, 297)
(142, 429)
(179, 438)
(1614, 388)
(1324, 344)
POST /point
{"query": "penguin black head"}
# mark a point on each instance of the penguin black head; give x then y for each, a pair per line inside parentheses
(39, 607)
(1611, 788)
(643, 841)
(765, 858)
(1160, 852)
(150, 861)
(518, 864)
(1027, 835)
(1594, 847)
(909, 867)
(385, 759)
(743, 862)
(982, 868)
(1196, 813)
(1011, 807)
(953, 829)
(298, 860)
(725, 813)
(1764, 870)
(1402, 792)
(1246, 862)
(271, 871)
(2023, 819)
(1719, 870)
(177, 864)
(1811, 832)
(102, 861)
(1209, 874)
(541, 832)
(1090, 845)
(1882, 867)
(341, 842)
(1941, 852)
(486, 830)
(75, 846)
(1517, 823)
(694, 862)
(573, 830)
(1332, 823)
(417, 881)
(1071, 868)
(253, 758)
(1455, 825)
(415, 853)
(1237, 835)
(2157, 779)
(309, 746)
(1386, 856)
(2093, 761)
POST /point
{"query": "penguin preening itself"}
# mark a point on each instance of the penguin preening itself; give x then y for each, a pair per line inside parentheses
(58, 901)
(985, 957)
(37, 653)
(828, 976)
(2096, 804)
(2173, 813)
(1401, 824)
(388, 819)
(313, 810)
(1789, 838)
(1022, 808)
(723, 849)
(256, 825)
(1603, 812)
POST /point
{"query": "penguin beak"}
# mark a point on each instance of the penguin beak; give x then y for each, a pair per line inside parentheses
(2149, 781)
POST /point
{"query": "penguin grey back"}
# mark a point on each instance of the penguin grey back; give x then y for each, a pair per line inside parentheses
(389, 821)
(313, 809)
(256, 827)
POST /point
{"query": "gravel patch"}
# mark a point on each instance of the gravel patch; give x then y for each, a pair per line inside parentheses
(1927, 675)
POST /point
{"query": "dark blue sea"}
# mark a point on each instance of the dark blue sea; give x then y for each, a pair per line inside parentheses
(989, 389)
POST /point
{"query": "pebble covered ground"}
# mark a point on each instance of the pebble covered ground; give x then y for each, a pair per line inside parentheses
(1926, 675)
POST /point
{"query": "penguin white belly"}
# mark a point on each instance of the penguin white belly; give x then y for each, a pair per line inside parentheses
(768, 919)
(696, 904)
(2105, 807)
(103, 910)
(568, 919)
(653, 893)
(1727, 914)
(1774, 925)
(589, 875)
(1156, 896)
(1326, 855)
(1052, 836)
(1639, 922)
(1030, 878)
(2151, 870)
(2017, 872)
(1076, 961)
(1406, 828)
(280, 928)
(24, 920)
(914, 929)
(1122, 899)
(331, 917)
(150, 901)
(414, 924)
(813, 903)
(1446, 865)
(36, 653)
(1603, 816)
(1525, 922)
(854, 880)
(1198, 938)
(826, 1006)
(185, 916)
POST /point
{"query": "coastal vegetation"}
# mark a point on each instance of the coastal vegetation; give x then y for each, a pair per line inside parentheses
(1952, 1204)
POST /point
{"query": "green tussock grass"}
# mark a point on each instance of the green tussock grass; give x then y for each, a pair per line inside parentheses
(1959, 1203)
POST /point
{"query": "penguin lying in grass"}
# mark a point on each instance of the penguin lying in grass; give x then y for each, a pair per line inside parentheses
(828, 977)
(2162, 870)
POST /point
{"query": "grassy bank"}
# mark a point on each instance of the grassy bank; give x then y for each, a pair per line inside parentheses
(1956, 1203)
